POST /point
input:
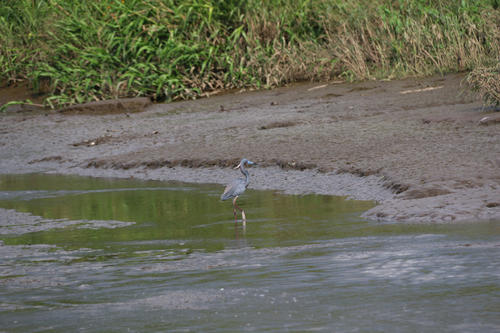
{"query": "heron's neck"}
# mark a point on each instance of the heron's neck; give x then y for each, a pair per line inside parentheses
(245, 172)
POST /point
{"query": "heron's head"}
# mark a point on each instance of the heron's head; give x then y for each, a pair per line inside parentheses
(243, 162)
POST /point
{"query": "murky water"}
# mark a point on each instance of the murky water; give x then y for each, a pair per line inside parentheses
(94, 255)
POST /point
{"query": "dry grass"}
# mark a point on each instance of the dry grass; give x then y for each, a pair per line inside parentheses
(486, 82)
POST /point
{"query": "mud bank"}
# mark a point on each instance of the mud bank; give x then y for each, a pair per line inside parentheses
(15, 223)
(419, 147)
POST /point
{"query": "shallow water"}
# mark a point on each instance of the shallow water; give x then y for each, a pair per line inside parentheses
(101, 255)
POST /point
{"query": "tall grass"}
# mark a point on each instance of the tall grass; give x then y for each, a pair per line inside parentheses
(91, 50)
(485, 81)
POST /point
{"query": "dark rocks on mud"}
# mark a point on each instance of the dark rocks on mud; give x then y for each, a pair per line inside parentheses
(56, 158)
(490, 120)
(93, 142)
(160, 163)
(195, 163)
(136, 104)
(291, 165)
(279, 124)
(359, 172)
(424, 193)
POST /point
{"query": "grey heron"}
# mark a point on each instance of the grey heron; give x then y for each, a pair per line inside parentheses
(237, 187)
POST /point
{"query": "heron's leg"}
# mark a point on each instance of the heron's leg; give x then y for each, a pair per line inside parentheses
(243, 217)
(234, 209)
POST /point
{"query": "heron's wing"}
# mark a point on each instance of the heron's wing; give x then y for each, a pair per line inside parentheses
(234, 189)
(228, 188)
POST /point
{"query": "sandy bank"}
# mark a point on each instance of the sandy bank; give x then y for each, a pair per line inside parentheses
(418, 147)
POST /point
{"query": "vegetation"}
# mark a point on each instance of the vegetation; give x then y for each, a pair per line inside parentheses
(80, 51)
(486, 82)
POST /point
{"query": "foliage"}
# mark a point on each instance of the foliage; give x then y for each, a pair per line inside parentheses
(167, 49)
(486, 82)
(4, 107)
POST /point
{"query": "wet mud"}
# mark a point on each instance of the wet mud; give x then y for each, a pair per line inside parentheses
(422, 148)
(16, 223)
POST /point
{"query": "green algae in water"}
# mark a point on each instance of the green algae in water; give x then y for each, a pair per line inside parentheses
(302, 263)
(169, 211)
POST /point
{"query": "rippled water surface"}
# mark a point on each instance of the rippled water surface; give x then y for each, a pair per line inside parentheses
(94, 255)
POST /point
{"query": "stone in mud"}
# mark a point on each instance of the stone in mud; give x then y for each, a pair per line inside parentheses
(122, 105)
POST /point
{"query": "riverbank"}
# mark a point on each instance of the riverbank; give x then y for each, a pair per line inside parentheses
(421, 149)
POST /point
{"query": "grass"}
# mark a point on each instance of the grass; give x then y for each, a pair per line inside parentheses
(80, 51)
(486, 82)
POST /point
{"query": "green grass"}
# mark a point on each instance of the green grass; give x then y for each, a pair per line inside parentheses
(81, 51)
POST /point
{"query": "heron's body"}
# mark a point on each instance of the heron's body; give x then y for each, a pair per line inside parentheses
(237, 187)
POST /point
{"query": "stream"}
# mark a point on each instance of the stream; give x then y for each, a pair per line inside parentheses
(114, 255)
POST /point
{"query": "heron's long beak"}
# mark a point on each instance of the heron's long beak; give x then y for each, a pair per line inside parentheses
(236, 167)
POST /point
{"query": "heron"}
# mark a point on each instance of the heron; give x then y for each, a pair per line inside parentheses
(237, 187)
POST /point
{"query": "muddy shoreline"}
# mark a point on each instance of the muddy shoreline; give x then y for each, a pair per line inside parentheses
(420, 148)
